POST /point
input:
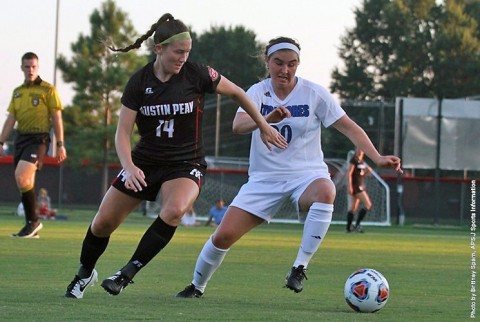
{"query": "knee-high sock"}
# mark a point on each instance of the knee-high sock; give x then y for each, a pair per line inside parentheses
(92, 248)
(29, 205)
(208, 261)
(157, 236)
(315, 228)
(361, 215)
(350, 216)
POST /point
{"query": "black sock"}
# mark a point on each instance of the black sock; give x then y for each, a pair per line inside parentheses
(361, 215)
(92, 248)
(349, 220)
(28, 201)
(157, 236)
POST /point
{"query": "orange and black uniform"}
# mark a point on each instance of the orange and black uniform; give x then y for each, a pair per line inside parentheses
(169, 122)
(358, 175)
(32, 105)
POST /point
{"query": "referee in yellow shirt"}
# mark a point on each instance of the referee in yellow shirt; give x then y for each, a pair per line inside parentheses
(35, 107)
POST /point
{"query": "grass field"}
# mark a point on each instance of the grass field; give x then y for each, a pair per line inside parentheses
(428, 270)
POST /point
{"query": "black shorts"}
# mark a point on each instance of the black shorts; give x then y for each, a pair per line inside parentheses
(31, 148)
(156, 175)
(358, 189)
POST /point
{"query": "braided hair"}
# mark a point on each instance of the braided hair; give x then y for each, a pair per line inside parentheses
(164, 28)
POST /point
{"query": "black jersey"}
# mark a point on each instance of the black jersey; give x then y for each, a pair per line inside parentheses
(170, 114)
(358, 174)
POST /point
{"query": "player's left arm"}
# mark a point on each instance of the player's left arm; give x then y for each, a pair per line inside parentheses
(361, 140)
(58, 130)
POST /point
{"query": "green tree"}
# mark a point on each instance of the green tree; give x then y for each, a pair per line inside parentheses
(98, 77)
(236, 54)
(410, 48)
(233, 51)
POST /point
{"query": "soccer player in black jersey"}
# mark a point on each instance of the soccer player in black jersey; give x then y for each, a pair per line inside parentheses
(165, 100)
(357, 192)
(35, 107)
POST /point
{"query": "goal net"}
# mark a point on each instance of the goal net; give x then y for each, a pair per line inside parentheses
(225, 176)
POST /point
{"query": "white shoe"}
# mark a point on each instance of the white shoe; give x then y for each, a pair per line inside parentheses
(78, 285)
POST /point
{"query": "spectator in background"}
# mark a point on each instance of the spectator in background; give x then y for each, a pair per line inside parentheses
(190, 219)
(44, 206)
(216, 213)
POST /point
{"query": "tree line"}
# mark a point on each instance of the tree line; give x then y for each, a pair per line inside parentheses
(415, 48)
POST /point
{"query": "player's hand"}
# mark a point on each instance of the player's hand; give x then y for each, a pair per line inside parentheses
(269, 135)
(134, 179)
(61, 153)
(278, 114)
(390, 161)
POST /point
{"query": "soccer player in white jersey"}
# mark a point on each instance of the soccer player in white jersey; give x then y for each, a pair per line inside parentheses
(296, 107)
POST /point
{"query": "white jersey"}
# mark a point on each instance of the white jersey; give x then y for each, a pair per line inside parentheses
(310, 105)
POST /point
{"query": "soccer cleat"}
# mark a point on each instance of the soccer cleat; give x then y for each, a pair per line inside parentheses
(116, 283)
(30, 230)
(294, 279)
(189, 292)
(77, 287)
(359, 229)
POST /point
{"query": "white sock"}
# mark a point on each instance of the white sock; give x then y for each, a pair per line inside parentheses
(315, 228)
(208, 261)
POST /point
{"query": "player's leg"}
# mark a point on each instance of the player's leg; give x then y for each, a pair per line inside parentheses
(113, 210)
(367, 205)
(318, 200)
(353, 206)
(234, 225)
(28, 160)
(178, 196)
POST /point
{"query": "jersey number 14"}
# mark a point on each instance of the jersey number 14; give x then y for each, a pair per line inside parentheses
(165, 126)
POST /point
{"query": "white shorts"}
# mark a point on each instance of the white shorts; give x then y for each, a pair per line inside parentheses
(263, 198)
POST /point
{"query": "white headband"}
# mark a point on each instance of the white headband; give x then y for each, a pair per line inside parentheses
(282, 45)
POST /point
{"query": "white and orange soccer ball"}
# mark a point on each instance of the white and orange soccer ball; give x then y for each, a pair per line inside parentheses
(366, 290)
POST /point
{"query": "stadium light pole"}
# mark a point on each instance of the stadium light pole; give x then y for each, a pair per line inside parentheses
(54, 145)
(217, 127)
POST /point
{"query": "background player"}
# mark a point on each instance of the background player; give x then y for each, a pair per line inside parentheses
(356, 190)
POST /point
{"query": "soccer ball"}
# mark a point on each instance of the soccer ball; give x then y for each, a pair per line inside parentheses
(366, 290)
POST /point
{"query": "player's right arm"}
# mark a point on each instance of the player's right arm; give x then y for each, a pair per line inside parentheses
(6, 130)
(134, 177)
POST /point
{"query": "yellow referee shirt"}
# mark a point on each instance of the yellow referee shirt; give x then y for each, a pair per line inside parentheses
(33, 104)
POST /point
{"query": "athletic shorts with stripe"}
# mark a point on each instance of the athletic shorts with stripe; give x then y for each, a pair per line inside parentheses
(156, 175)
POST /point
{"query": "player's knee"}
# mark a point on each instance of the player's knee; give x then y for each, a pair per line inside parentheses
(173, 212)
(327, 196)
(223, 240)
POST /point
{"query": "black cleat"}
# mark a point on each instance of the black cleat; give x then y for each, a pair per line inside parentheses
(30, 230)
(189, 292)
(294, 279)
(116, 283)
(359, 229)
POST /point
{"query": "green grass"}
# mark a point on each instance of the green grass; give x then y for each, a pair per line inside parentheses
(428, 271)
